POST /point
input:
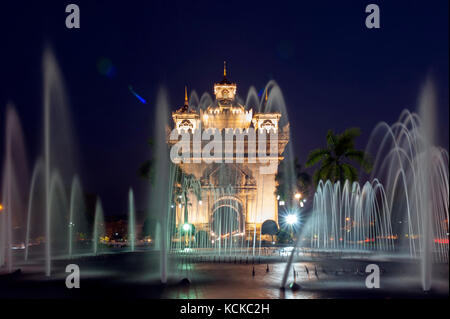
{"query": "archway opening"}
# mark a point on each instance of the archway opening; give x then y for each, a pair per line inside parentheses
(225, 221)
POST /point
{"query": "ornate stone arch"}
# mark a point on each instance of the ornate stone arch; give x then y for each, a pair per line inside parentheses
(230, 204)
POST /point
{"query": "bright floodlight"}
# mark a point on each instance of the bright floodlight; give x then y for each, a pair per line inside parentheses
(291, 219)
(298, 195)
(186, 227)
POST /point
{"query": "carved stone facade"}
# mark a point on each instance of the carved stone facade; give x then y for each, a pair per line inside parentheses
(237, 185)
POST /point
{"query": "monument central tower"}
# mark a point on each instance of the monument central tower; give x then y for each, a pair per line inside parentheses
(236, 198)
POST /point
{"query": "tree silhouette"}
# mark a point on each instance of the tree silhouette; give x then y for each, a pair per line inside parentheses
(337, 158)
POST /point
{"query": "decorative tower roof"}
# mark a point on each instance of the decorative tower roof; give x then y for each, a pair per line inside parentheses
(185, 108)
(225, 90)
(185, 117)
(226, 112)
(266, 120)
(225, 80)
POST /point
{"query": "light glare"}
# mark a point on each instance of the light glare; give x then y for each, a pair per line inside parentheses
(291, 219)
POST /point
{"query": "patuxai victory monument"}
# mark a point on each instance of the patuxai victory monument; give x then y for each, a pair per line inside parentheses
(232, 153)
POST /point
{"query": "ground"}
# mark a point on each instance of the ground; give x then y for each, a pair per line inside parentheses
(135, 275)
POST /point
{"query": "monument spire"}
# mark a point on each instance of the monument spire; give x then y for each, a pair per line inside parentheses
(186, 101)
(224, 69)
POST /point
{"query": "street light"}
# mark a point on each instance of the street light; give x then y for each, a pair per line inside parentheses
(291, 219)
(298, 195)
(186, 227)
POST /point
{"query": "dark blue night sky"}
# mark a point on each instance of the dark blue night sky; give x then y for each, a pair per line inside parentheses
(334, 72)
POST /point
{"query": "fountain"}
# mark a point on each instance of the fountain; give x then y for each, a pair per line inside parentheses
(131, 221)
(162, 190)
(56, 119)
(403, 210)
(14, 186)
(414, 173)
(348, 217)
(77, 219)
(47, 199)
(37, 173)
(98, 228)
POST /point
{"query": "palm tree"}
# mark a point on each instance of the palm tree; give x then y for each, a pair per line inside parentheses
(184, 185)
(336, 159)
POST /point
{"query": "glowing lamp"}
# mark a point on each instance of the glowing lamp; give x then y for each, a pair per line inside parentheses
(291, 219)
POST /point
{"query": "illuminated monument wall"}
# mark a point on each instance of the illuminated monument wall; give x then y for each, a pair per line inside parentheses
(239, 187)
